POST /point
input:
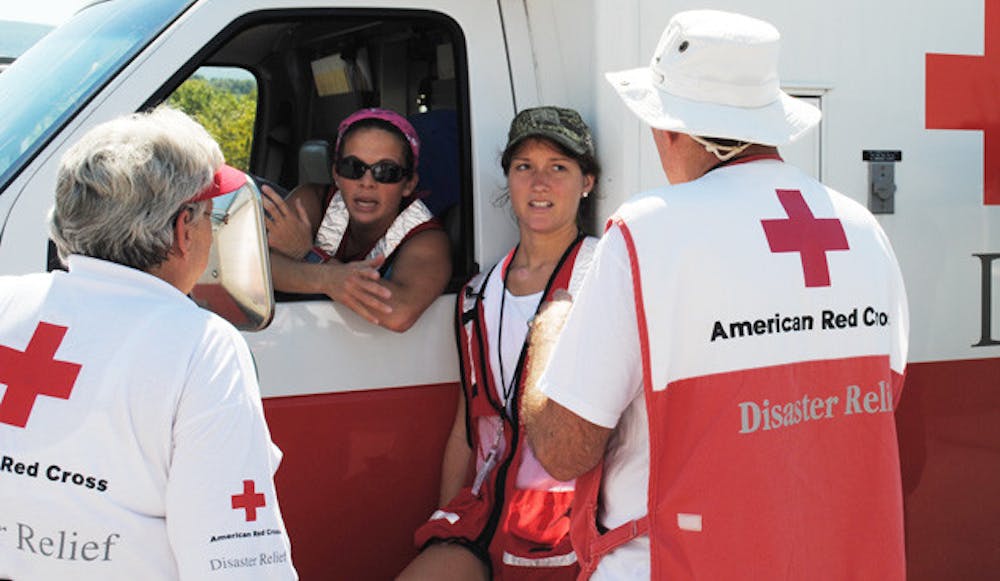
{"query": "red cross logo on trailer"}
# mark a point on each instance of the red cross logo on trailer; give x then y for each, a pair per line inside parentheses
(249, 500)
(961, 94)
(34, 372)
(812, 238)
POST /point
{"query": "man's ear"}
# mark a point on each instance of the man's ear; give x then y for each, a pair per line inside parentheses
(665, 136)
(182, 232)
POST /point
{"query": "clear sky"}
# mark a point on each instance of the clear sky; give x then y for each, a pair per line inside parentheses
(41, 11)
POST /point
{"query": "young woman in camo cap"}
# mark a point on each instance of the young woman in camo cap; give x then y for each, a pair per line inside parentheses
(502, 515)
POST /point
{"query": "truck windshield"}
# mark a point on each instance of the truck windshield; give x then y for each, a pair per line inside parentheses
(54, 79)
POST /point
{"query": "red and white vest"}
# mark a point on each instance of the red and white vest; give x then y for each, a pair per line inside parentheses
(523, 533)
(773, 325)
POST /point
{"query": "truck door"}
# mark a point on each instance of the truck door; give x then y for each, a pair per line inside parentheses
(360, 413)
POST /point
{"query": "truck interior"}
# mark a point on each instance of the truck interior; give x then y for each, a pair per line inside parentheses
(313, 68)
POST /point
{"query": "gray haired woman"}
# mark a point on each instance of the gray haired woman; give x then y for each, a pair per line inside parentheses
(142, 410)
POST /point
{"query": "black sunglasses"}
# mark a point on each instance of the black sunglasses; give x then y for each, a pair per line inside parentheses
(384, 172)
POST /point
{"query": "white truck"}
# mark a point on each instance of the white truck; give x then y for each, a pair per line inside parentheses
(911, 128)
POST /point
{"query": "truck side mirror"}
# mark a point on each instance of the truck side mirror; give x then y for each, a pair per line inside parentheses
(237, 285)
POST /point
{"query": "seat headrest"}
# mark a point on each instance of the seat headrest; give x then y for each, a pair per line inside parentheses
(315, 164)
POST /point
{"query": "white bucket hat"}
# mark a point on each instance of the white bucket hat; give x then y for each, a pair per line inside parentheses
(715, 74)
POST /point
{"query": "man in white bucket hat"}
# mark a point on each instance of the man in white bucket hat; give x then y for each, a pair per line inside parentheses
(750, 326)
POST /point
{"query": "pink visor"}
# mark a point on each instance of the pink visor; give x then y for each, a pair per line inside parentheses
(391, 117)
(226, 180)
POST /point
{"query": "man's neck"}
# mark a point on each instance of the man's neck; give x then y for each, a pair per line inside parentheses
(752, 152)
(703, 161)
(174, 272)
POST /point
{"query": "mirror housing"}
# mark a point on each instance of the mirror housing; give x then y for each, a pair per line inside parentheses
(237, 284)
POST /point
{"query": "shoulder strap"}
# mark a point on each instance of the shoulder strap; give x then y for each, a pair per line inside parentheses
(432, 224)
(584, 258)
(414, 215)
(589, 543)
(472, 295)
(468, 303)
(563, 272)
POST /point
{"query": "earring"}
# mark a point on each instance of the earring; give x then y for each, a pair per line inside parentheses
(585, 194)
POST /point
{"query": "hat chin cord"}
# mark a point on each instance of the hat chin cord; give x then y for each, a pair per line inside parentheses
(723, 152)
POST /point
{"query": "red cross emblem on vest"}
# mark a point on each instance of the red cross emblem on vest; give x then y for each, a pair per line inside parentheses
(961, 94)
(811, 237)
(34, 372)
(249, 500)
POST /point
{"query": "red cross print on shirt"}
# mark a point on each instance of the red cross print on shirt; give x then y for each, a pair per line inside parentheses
(249, 500)
(961, 93)
(811, 237)
(34, 372)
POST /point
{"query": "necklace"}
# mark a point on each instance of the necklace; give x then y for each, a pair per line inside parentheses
(508, 389)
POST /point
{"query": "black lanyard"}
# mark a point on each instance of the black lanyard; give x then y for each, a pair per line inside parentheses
(508, 390)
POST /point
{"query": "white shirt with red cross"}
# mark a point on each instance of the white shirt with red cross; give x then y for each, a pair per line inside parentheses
(132, 436)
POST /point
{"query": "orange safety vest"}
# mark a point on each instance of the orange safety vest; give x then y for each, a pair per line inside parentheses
(522, 533)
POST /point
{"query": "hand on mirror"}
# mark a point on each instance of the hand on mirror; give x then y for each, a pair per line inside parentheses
(288, 229)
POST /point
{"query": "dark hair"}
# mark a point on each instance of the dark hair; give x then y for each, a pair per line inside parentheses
(588, 166)
(372, 123)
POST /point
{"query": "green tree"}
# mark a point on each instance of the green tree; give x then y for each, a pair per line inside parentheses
(227, 108)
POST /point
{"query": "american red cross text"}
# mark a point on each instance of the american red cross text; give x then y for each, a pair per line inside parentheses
(249, 500)
(811, 237)
(34, 372)
(961, 93)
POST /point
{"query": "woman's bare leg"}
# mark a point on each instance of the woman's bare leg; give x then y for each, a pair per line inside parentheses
(445, 562)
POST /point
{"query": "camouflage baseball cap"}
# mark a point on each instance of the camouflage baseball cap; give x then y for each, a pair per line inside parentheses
(563, 126)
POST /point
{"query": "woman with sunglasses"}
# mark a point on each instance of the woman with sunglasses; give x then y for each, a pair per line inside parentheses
(366, 242)
(502, 516)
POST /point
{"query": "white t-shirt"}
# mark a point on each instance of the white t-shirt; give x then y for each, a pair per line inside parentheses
(518, 310)
(605, 309)
(146, 455)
